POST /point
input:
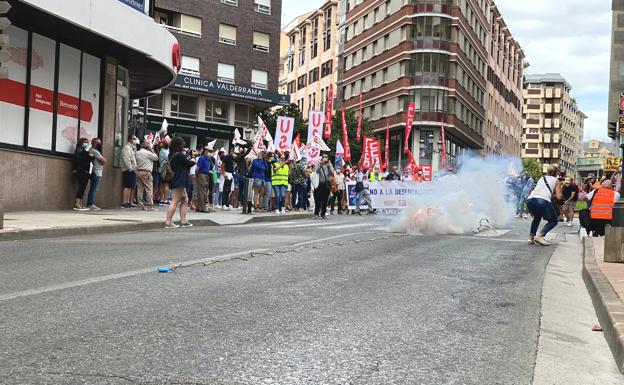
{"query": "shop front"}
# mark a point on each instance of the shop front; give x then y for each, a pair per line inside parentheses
(71, 74)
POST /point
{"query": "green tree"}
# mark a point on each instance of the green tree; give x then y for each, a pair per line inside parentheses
(533, 166)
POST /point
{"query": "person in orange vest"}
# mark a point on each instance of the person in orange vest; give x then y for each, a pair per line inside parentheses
(601, 202)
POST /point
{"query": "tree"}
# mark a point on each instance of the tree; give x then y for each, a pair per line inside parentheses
(534, 167)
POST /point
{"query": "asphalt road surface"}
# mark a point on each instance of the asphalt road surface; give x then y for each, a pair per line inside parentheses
(317, 302)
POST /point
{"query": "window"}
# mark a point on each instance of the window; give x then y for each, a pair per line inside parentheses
(301, 82)
(259, 79)
(261, 41)
(263, 6)
(226, 73)
(243, 115)
(183, 106)
(313, 76)
(230, 2)
(328, 30)
(190, 66)
(216, 111)
(302, 44)
(155, 104)
(326, 68)
(227, 34)
(179, 22)
(314, 40)
(292, 87)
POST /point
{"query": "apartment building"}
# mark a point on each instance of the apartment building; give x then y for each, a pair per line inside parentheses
(309, 57)
(553, 124)
(616, 80)
(436, 53)
(229, 67)
(595, 159)
(503, 127)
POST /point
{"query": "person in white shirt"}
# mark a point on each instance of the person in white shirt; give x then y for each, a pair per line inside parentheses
(145, 159)
(539, 203)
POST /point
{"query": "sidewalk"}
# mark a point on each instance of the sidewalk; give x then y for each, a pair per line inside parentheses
(48, 224)
(605, 282)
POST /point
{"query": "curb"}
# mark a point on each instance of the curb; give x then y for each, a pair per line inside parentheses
(22, 235)
(608, 305)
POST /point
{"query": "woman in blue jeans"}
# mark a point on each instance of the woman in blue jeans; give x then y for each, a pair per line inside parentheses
(539, 203)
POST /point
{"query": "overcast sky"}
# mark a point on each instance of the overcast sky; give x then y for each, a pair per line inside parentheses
(571, 37)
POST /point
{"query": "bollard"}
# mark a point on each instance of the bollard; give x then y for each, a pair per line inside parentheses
(614, 244)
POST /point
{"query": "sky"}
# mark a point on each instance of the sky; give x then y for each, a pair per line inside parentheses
(572, 37)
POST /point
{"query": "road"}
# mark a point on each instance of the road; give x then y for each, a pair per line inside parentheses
(317, 302)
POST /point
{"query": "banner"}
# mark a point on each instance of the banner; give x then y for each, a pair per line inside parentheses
(359, 126)
(390, 194)
(443, 145)
(408, 124)
(371, 153)
(427, 171)
(315, 127)
(284, 132)
(330, 110)
(345, 137)
(387, 158)
(318, 142)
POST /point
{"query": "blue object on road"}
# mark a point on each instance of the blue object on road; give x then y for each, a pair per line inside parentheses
(166, 269)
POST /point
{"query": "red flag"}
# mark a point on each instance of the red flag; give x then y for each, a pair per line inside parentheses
(330, 110)
(443, 144)
(345, 137)
(359, 127)
(408, 124)
(387, 160)
(298, 140)
(371, 153)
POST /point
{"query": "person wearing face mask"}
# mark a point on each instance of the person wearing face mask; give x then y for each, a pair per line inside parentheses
(98, 166)
(82, 171)
(280, 183)
(321, 195)
(128, 169)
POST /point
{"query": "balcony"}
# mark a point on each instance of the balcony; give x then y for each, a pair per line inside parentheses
(427, 43)
(532, 138)
(531, 153)
(535, 92)
(532, 123)
(430, 80)
(432, 7)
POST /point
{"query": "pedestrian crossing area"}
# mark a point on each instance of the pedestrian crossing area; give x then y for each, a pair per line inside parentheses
(325, 225)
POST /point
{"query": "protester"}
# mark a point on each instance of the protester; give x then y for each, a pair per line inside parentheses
(339, 187)
(376, 174)
(299, 177)
(524, 186)
(227, 162)
(156, 175)
(82, 171)
(362, 192)
(96, 176)
(280, 182)
(242, 167)
(165, 172)
(191, 188)
(570, 196)
(540, 205)
(258, 171)
(128, 169)
(601, 203)
(145, 159)
(321, 194)
(202, 180)
(394, 174)
(268, 187)
(180, 165)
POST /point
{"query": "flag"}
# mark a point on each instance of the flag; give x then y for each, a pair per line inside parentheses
(297, 141)
(210, 145)
(318, 142)
(359, 126)
(408, 125)
(315, 127)
(271, 147)
(329, 117)
(345, 137)
(149, 138)
(295, 153)
(237, 137)
(268, 137)
(284, 132)
(443, 144)
(387, 159)
(339, 148)
(163, 128)
(339, 161)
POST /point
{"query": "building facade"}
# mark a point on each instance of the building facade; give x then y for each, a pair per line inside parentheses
(553, 124)
(229, 71)
(594, 159)
(69, 73)
(616, 74)
(437, 54)
(309, 53)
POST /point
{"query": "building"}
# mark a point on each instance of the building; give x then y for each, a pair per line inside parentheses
(69, 72)
(616, 80)
(230, 68)
(309, 56)
(503, 127)
(286, 52)
(594, 159)
(553, 124)
(438, 55)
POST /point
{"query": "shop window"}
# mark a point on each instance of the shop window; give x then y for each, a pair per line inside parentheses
(183, 106)
(226, 73)
(155, 104)
(259, 79)
(190, 66)
(243, 115)
(261, 41)
(69, 86)
(12, 103)
(42, 94)
(217, 111)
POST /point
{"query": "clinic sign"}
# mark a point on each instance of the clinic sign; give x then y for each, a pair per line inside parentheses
(208, 86)
(139, 5)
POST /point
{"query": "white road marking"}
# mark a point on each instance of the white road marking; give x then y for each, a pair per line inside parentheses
(347, 226)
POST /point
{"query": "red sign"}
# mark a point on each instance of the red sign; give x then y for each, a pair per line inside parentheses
(443, 144)
(408, 124)
(372, 153)
(345, 137)
(426, 173)
(297, 141)
(359, 127)
(330, 110)
(387, 160)
(176, 57)
(43, 99)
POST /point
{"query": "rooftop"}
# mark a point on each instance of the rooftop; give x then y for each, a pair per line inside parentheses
(547, 78)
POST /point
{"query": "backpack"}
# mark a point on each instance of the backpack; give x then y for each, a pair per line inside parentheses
(166, 172)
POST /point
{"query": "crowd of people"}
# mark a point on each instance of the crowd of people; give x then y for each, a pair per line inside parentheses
(205, 179)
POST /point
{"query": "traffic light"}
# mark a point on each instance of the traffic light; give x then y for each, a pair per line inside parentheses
(4, 38)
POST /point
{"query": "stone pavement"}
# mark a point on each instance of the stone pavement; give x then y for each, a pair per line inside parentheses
(46, 224)
(605, 282)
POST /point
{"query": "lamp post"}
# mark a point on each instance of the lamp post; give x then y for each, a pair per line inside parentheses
(618, 209)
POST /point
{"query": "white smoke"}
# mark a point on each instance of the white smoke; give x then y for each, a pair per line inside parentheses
(458, 202)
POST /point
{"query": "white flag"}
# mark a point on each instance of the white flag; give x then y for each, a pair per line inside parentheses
(237, 137)
(163, 128)
(210, 145)
(339, 148)
(316, 119)
(295, 153)
(317, 142)
(271, 147)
